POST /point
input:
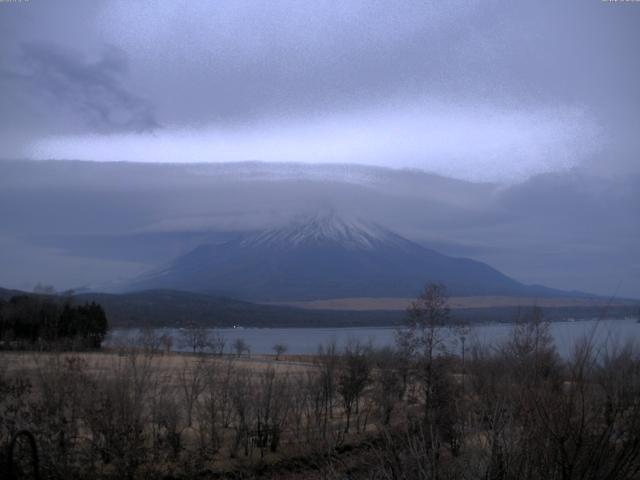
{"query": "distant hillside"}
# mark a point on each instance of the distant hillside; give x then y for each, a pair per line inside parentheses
(176, 308)
(323, 257)
(160, 308)
(6, 294)
(170, 308)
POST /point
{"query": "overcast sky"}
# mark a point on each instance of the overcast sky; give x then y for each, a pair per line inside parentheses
(482, 90)
(534, 105)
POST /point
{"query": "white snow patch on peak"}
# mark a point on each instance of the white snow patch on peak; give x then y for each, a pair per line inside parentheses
(326, 228)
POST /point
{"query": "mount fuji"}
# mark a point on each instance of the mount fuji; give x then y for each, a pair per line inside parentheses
(326, 256)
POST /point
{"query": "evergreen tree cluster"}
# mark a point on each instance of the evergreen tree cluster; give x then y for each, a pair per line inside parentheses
(47, 320)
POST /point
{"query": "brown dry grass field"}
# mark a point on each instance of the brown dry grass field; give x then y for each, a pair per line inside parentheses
(399, 303)
(165, 365)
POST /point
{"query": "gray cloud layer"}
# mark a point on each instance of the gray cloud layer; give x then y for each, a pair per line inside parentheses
(567, 230)
(511, 87)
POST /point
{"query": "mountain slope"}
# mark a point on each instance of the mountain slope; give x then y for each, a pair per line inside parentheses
(326, 256)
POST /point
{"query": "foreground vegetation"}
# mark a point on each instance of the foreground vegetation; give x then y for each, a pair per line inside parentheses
(513, 411)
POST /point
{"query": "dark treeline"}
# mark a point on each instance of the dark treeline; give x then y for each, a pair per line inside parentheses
(50, 322)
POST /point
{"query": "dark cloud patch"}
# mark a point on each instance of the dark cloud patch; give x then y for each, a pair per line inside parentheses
(93, 89)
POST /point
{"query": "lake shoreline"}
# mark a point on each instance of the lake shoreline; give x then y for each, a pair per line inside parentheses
(306, 340)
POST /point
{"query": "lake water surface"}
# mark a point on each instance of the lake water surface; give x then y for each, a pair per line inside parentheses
(307, 340)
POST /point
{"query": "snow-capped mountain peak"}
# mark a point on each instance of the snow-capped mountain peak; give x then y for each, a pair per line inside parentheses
(325, 255)
(321, 229)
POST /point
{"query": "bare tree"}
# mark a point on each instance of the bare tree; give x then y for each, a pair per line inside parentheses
(191, 380)
(424, 339)
(166, 342)
(531, 353)
(328, 361)
(272, 400)
(240, 347)
(115, 413)
(388, 379)
(279, 349)
(242, 399)
(217, 342)
(149, 340)
(353, 377)
(427, 317)
(169, 424)
(214, 412)
(195, 338)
